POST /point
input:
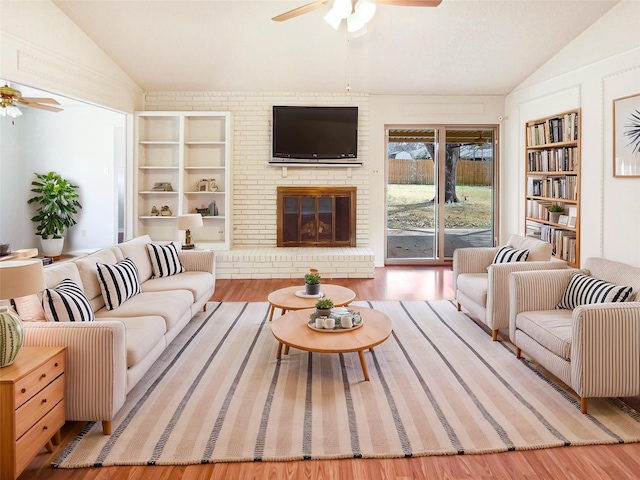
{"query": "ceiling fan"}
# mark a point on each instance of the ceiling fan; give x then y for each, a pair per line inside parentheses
(359, 14)
(10, 98)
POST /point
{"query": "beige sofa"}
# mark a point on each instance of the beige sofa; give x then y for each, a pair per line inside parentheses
(481, 287)
(594, 348)
(107, 357)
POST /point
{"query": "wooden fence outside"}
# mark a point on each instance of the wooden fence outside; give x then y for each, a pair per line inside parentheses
(420, 172)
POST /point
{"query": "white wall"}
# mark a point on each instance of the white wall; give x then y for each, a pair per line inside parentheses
(607, 60)
(78, 143)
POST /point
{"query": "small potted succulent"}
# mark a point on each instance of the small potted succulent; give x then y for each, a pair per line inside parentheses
(312, 283)
(555, 211)
(324, 306)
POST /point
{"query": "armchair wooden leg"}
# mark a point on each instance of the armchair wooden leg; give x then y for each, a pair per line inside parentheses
(518, 352)
(583, 405)
(459, 307)
(106, 427)
(494, 335)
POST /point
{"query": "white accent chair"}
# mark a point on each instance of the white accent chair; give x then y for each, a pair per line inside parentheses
(594, 349)
(482, 287)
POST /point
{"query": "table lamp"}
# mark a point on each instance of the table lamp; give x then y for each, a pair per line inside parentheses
(18, 278)
(188, 222)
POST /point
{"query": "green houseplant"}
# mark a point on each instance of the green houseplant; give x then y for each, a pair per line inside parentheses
(324, 306)
(312, 283)
(57, 208)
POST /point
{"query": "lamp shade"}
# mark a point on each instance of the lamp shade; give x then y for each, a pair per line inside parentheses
(189, 221)
(19, 278)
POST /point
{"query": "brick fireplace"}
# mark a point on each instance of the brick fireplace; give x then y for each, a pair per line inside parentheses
(310, 216)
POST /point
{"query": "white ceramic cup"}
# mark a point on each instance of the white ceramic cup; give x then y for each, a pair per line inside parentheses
(320, 322)
(330, 323)
(346, 321)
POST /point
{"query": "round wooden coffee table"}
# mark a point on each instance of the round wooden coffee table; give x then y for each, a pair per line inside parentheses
(291, 330)
(286, 299)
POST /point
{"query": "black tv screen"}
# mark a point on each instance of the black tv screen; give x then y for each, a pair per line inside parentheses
(315, 132)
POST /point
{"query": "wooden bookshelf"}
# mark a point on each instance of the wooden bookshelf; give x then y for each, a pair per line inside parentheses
(552, 166)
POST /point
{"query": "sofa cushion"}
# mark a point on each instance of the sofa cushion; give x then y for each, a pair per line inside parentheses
(539, 251)
(474, 286)
(198, 283)
(584, 290)
(549, 328)
(170, 305)
(89, 275)
(66, 303)
(143, 335)
(164, 259)
(507, 254)
(616, 272)
(136, 250)
(119, 282)
(30, 308)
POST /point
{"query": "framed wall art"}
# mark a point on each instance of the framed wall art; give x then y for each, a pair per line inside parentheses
(626, 136)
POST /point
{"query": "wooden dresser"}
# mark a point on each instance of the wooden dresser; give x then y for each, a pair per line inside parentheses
(32, 409)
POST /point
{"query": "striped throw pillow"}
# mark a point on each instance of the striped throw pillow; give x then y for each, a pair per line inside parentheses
(585, 290)
(66, 303)
(507, 254)
(118, 282)
(164, 259)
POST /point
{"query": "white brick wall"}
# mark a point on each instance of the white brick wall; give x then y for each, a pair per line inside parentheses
(255, 181)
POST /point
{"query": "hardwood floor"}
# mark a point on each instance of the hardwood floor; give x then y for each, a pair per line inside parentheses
(390, 283)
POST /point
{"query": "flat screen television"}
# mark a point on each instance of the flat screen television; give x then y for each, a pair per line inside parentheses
(315, 133)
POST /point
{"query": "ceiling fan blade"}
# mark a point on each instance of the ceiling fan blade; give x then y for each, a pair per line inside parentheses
(37, 105)
(309, 7)
(40, 100)
(411, 3)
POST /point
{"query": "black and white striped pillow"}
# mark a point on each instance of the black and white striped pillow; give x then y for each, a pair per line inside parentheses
(507, 254)
(66, 303)
(585, 290)
(118, 282)
(164, 259)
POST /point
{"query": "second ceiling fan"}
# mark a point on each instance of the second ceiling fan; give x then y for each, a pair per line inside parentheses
(356, 13)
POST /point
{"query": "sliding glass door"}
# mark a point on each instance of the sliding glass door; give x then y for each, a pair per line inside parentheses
(440, 192)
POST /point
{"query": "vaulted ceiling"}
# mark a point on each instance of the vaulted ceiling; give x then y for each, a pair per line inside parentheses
(481, 47)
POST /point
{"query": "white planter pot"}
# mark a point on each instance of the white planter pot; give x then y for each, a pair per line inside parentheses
(52, 247)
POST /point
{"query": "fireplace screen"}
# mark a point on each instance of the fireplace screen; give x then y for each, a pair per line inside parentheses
(316, 216)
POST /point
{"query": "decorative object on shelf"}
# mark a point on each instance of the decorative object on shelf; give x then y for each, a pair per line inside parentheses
(165, 211)
(555, 211)
(213, 209)
(339, 320)
(324, 306)
(202, 185)
(5, 249)
(58, 205)
(154, 211)
(312, 282)
(162, 187)
(626, 136)
(18, 278)
(204, 211)
(188, 222)
(212, 185)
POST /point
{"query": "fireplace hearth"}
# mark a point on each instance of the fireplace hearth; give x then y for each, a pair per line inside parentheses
(316, 216)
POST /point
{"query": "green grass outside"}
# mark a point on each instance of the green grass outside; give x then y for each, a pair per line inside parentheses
(410, 206)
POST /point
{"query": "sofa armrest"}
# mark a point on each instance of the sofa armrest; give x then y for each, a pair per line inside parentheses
(198, 261)
(471, 260)
(605, 350)
(498, 288)
(535, 290)
(96, 359)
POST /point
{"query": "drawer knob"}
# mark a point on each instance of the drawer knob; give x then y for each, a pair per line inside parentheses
(44, 400)
(44, 375)
(45, 428)
(55, 364)
(24, 390)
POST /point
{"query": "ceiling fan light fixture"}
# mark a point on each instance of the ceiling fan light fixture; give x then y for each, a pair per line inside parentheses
(342, 8)
(365, 9)
(355, 23)
(11, 111)
(332, 19)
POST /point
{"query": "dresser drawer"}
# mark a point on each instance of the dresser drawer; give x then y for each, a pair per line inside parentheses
(38, 406)
(33, 440)
(29, 385)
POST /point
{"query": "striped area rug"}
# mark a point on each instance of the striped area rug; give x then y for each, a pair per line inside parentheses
(439, 386)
